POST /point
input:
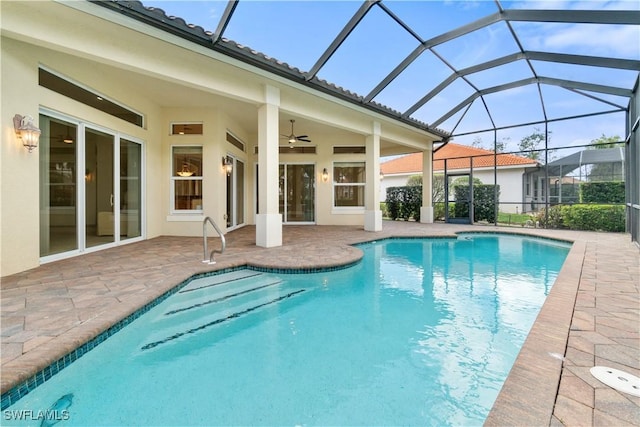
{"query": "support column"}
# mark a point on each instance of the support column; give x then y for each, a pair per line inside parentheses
(426, 210)
(372, 213)
(268, 219)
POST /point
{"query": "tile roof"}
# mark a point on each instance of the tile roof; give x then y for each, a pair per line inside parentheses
(458, 156)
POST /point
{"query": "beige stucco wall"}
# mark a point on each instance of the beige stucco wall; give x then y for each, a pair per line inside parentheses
(19, 172)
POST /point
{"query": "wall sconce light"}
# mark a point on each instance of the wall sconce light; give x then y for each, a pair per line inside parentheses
(325, 175)
(227, 165)
(27, 131)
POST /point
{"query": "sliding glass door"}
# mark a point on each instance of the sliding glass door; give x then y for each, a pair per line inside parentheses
(87, 198)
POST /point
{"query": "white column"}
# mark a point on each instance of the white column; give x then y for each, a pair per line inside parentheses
(268, 219)
(372, 213)
(426, 210)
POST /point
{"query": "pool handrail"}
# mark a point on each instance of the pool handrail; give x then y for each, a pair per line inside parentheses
(205, 245)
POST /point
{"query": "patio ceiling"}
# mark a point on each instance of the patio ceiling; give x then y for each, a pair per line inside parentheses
(456, 68)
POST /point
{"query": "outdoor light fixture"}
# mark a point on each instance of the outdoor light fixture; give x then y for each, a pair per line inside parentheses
(227, 165)
(381, 175)
(27, 131)
(185, 172)
(325, 175)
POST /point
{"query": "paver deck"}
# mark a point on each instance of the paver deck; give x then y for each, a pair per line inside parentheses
(591, 317)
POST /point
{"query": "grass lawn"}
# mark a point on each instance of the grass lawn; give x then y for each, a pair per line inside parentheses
(511, 218)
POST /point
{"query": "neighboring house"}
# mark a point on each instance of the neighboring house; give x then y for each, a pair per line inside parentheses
(509, 171)
(148, 127)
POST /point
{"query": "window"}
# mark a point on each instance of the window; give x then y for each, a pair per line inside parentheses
(88, 97)
(187, 178)
(235, 141)
(288, 149)
(192, 128)
(349, 150)
(349, 184)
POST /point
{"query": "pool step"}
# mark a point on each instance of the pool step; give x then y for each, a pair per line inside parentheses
(225, 278)
(208, 291)
(208, 322)
(219, 297)
(211, 301)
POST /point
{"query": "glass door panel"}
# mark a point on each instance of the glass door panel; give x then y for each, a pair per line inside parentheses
(99, 188)
(235, 193)
(130, 189)
(238, 169)
(297, 192)
(58, 186)
(230, 191)
(282, 190)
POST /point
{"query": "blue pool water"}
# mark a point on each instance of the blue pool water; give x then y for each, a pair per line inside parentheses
(420, 332)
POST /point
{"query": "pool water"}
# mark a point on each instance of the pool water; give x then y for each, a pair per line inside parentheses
(420, 332)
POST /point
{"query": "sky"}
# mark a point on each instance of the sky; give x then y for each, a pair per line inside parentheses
(298, 32)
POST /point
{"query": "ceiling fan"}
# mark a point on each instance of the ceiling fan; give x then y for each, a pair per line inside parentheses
(293, 138)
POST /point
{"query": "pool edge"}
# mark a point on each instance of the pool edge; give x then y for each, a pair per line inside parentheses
(529, 393)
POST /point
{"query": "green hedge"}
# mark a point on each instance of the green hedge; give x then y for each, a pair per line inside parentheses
(404, 202)
(594, 217)
(602, 192)
(484, 207)
(609, 218)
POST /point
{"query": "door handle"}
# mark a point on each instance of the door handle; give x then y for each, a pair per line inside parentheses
(111, 200)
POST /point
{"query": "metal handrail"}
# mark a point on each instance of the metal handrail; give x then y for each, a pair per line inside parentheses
(210, 261)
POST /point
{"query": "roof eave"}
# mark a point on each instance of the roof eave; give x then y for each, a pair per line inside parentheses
(196, 34)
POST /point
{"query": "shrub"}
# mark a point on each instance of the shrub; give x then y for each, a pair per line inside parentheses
(383, 208)
(461, 207)
(438, 211)
(404, 202)
(594, 217)
(602, 192)
(393, 202)
(484, 207)
(554, 218)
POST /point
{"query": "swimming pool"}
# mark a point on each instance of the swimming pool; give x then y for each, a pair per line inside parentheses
(420, 332)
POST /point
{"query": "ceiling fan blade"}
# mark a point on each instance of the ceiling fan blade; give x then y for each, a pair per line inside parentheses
(303, 139)
(302, 136)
